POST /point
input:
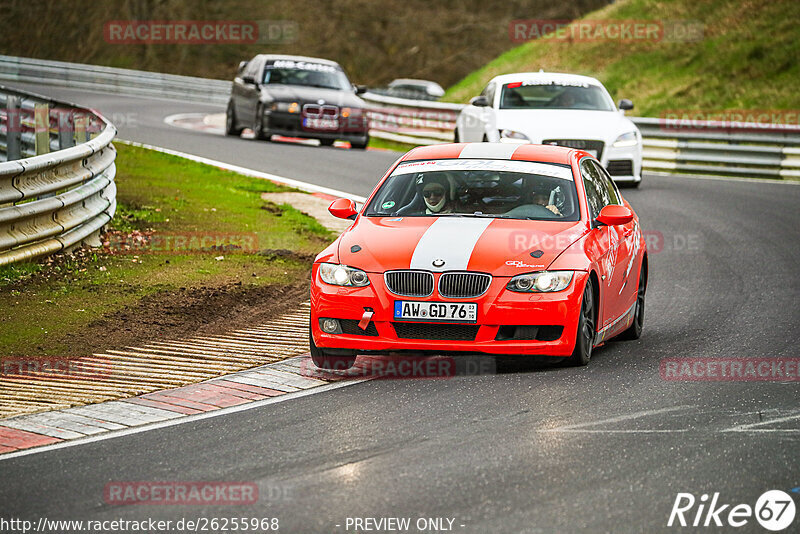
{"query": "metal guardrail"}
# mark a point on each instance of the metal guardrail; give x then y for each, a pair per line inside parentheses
(745, 149)
(748, 149)
(57, 174)
(114, 80)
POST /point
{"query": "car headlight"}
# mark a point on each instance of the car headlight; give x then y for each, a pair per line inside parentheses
(352, 112)
(290, 107)
(541, 282)
(627, 139)
(342, 275)
(513, 134)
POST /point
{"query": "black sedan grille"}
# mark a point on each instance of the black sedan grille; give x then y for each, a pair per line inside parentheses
(409, 283)
(582, 144)
(464, 285)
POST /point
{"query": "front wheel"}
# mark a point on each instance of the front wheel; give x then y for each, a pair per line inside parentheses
(584, 339)
(258, 125)
(327, 361)
(360, 145)
(230, 121)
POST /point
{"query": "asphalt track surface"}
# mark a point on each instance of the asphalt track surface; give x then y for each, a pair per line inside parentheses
(605, 448)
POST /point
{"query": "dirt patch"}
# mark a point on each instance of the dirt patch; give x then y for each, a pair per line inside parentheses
(187, 312)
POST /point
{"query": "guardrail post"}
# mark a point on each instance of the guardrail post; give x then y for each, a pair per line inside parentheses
(66, 136)
(80, 122)
(14, 128)
(41, 128)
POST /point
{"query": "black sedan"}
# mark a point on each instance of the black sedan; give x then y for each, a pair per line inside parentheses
(297, 96)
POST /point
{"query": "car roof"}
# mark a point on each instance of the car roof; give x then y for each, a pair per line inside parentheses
(413, 81)
(272, 57)
(523, 152)
(557, 77)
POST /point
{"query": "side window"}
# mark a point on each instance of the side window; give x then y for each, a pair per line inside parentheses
(610, 186)
(592, 186)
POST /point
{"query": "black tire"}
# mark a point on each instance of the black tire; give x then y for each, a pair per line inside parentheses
(456, 136)
(360, 146)
(634, 331)
(258, 125)
(327, 361)
(230, 122)
(326, 142)
(485, 139)
(584, 339)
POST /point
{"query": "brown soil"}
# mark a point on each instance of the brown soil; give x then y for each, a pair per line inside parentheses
(187, 312)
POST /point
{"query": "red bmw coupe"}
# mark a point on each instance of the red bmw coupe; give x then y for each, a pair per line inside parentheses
(482, 248)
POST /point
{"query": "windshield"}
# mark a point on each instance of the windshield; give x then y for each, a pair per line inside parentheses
(478, 188)
(306, 74)
(550, 95)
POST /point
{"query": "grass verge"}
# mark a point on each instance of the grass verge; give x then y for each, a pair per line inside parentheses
(746, 59)
(187, 237)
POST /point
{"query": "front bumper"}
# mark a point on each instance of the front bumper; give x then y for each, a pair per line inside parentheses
(497, 308)
(291, 125)
(624, 164)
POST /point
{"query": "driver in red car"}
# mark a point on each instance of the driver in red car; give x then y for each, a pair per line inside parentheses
(436, 194)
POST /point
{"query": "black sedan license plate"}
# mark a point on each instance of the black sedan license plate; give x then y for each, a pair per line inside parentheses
(454, 312)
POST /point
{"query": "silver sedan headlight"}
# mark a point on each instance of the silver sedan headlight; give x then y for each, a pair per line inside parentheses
(540, 282)
(342, 275)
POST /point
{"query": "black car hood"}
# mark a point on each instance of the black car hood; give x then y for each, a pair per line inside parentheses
(297, 93)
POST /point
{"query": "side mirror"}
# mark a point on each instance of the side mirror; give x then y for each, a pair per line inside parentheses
(343, 208)
(615, 215)
(360, 89)
(480, 101)
(242, 65)
(625, 104)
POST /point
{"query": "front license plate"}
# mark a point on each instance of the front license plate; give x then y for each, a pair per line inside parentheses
(321, 124)
(454, 312)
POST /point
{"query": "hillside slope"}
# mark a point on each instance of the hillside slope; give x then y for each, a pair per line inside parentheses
(747, 58)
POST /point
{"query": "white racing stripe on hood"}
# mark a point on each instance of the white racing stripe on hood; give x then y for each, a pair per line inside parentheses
(489, 150)
(451, 239)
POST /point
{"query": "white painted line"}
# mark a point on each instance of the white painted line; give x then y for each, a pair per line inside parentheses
(751, 427)
(261, 381)
(39, 428)
(181, 420)
(617, 419)
(303, 186)
(291, 379)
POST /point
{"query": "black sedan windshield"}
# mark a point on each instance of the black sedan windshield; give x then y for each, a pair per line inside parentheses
(326, 79)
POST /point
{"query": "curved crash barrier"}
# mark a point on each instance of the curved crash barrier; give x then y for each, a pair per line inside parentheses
(57, 173)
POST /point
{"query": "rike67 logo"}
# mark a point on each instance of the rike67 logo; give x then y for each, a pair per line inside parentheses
(774, 510)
